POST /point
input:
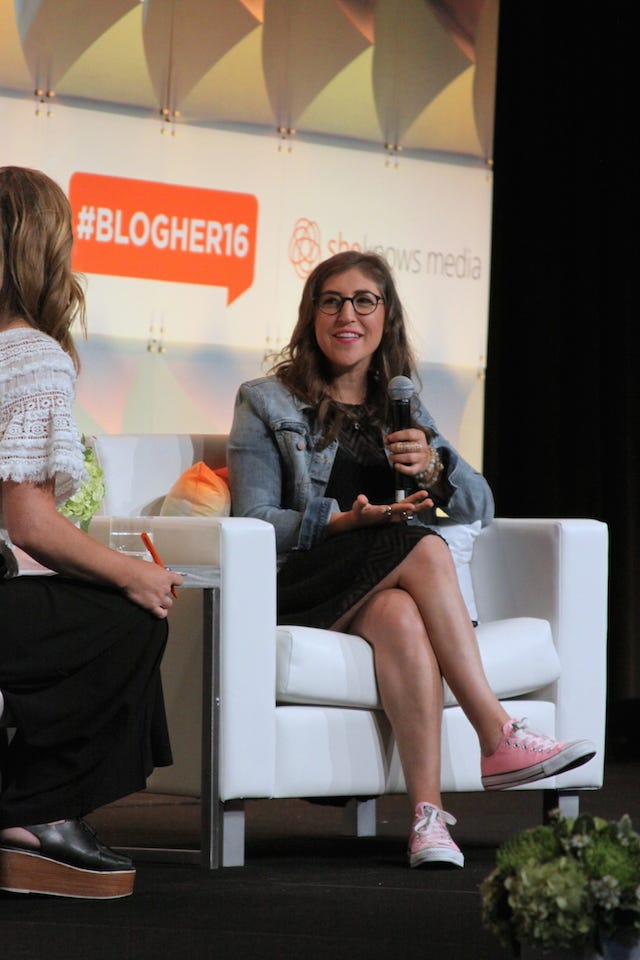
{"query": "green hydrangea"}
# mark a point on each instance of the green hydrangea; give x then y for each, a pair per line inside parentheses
(538, 844)
(551, 904)
(87, 499)
(565, 885)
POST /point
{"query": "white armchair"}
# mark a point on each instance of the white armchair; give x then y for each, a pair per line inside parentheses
(294, 712)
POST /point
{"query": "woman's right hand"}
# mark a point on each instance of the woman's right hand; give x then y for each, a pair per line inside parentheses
(35, 526)
(150, 586)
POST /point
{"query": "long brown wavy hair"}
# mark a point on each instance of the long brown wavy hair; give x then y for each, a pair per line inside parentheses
(305, 370)
(36, 237)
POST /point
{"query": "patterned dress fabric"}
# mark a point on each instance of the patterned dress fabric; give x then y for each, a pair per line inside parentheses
(318, 586)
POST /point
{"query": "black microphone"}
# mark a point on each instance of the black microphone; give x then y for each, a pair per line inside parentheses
(400, 390)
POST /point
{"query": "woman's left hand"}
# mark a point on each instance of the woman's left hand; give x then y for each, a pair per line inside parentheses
(366, 514)
(369, 513)
(409, 451)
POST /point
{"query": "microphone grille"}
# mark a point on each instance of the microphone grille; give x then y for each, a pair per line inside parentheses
(400, 388)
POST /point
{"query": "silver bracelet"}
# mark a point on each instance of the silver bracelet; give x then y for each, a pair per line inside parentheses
(428, 477)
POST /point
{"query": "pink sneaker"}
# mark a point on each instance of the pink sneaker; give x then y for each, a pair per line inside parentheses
(430, 843)
(523, 756)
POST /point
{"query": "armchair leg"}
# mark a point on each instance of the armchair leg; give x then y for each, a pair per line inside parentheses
(222, 824)
(222, 834)
(233, 833)
(567, 801)
(360, 817)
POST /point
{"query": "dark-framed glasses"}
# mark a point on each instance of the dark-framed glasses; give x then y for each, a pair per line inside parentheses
(363, 303)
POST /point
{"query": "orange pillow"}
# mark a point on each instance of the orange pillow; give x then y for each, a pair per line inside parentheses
(198, 492)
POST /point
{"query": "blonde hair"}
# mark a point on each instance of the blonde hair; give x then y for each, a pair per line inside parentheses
(37, 283)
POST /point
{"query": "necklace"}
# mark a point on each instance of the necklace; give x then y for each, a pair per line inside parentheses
(356, 413)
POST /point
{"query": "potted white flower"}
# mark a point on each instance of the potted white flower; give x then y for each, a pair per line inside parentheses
(567, 889)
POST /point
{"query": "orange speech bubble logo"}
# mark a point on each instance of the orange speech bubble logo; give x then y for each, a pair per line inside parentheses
(160, 231)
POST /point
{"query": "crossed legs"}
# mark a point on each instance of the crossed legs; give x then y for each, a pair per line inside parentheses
(419, 628)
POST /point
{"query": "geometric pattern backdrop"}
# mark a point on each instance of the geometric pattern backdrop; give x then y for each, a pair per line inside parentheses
(418, 75)
(372, 76)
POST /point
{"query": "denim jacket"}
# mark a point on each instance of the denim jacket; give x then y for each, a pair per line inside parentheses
(279, 471)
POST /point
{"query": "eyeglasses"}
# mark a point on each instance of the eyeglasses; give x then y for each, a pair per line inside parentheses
(363, 303)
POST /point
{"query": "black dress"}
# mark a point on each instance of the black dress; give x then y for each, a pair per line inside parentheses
(317, 586)
(79, 669)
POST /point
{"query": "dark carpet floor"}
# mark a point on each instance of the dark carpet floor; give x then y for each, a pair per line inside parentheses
(307, 890)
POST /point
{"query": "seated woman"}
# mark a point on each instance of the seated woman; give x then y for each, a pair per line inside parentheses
(79, 652)
(312, 451)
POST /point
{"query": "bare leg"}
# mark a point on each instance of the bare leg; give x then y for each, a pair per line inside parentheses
(419, 628)
(410, 687)
(429, 577)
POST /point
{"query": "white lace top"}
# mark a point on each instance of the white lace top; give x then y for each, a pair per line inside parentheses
(39, 438)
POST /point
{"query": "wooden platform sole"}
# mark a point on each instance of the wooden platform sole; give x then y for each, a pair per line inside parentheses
(30, 872)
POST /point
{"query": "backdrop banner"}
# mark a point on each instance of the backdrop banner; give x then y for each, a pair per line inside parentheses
(204, 237)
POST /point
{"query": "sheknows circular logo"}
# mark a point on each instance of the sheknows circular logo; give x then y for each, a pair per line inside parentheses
(304, 246)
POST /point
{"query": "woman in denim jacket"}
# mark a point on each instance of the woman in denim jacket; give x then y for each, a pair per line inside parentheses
(312, 452)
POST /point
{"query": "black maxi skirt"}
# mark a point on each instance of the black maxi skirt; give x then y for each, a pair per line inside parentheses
(317, 586)
(80, 672)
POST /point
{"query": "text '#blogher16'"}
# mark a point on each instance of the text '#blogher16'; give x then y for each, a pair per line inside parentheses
(138, 228)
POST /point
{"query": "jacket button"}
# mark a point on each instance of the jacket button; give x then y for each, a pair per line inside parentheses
(301, 445)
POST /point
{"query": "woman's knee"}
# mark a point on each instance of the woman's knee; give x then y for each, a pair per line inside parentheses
(393, 613)
(433, 555)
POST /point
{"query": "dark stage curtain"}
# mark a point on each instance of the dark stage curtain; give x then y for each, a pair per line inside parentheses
(562, 414)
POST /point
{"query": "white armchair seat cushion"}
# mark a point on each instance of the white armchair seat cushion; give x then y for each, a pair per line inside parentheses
(336, 669)
(518, 655)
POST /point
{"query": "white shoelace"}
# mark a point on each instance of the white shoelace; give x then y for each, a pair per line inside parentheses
(433, 821)
(529, 740)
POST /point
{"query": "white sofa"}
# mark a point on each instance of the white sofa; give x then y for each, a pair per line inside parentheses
(296, 710)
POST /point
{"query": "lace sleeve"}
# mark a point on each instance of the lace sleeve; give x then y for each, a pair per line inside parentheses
(38, 435)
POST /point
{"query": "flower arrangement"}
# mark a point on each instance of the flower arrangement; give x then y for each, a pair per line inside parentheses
(566, 885)
(86, 500)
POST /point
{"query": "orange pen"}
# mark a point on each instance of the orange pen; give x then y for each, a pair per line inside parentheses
(146, 539)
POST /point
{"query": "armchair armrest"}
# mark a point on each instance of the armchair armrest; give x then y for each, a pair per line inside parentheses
(557, 570)
(244, 549)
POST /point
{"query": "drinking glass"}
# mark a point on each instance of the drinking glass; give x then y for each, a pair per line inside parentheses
(125, 536)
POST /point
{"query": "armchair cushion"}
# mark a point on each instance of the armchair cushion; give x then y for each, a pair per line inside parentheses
(336, 669)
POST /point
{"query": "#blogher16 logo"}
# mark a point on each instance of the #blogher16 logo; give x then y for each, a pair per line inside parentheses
(305, 248)
(160, 231)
